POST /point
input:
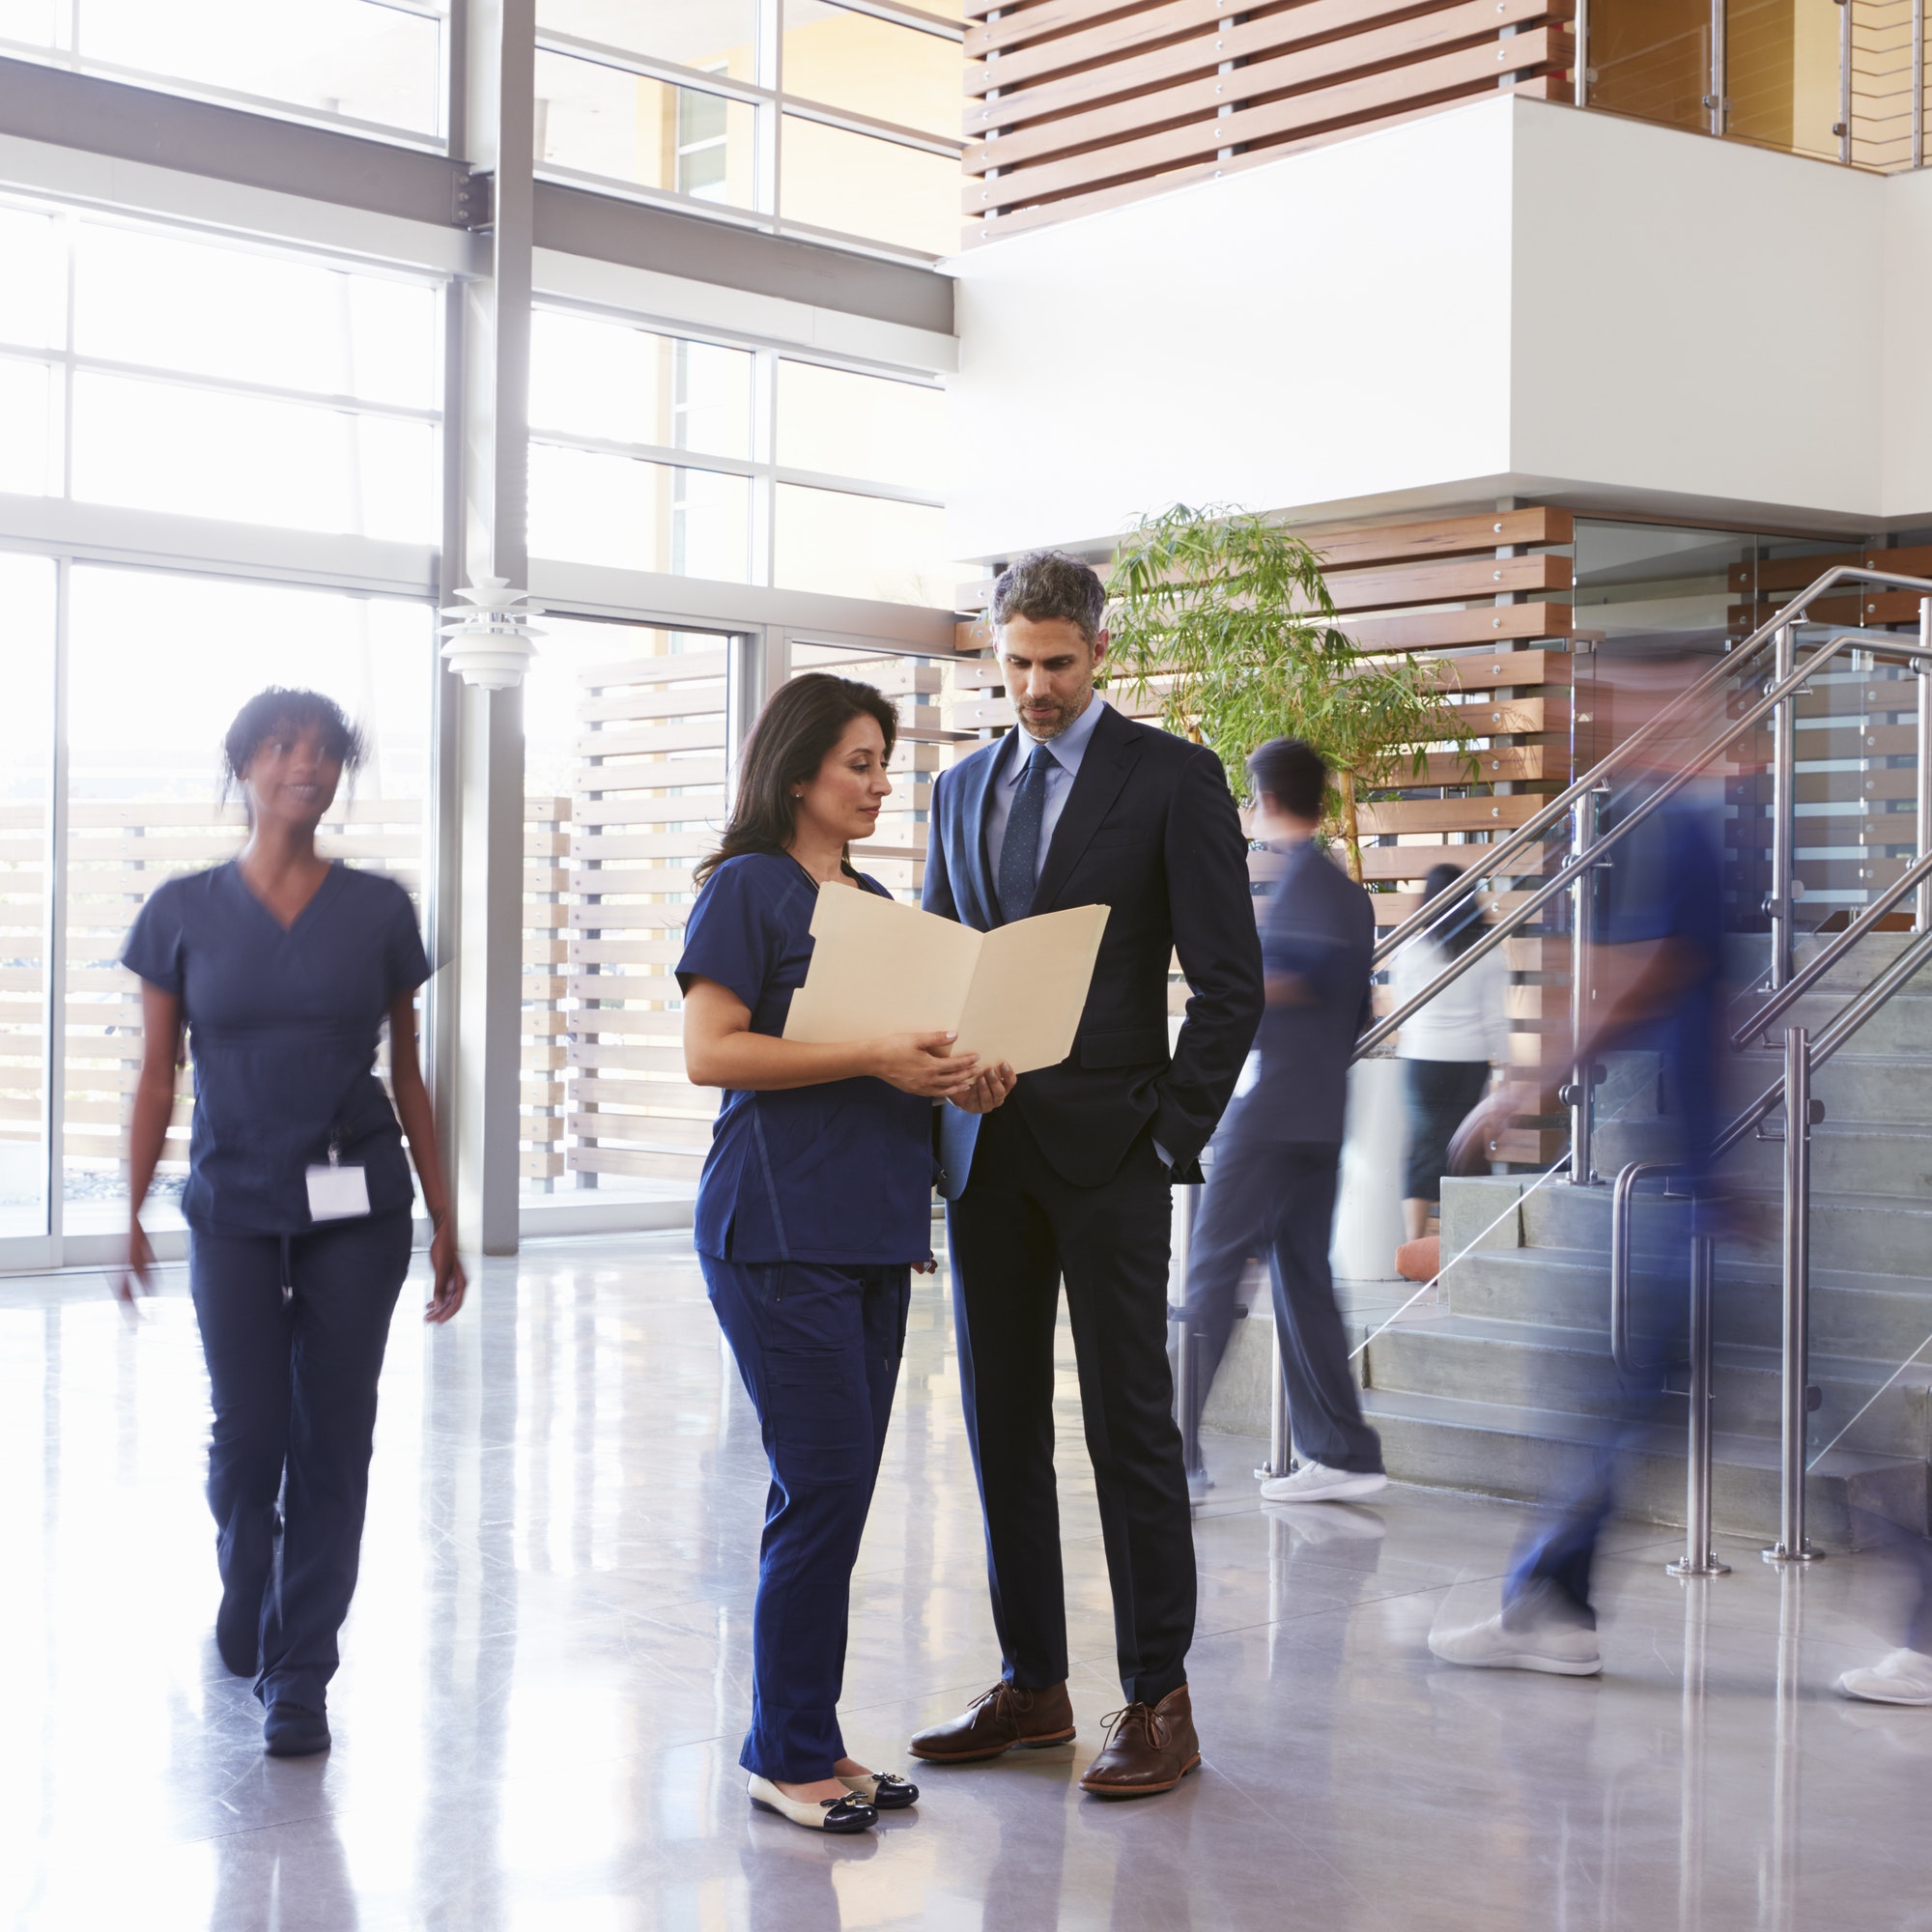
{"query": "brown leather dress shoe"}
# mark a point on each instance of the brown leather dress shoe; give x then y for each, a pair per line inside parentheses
(1005, 1718)
(1152, 1748)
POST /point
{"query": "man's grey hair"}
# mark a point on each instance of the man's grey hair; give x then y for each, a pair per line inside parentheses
(1046, 585)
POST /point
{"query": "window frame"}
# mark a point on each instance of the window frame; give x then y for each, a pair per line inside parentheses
(771, 102)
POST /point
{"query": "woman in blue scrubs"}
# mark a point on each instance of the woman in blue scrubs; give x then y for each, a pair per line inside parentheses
(815, 1205)
(283, 967)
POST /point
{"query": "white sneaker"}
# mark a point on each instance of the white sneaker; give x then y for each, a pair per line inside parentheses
(1316, 1483)
(1905, 1677)
(1534, 1637)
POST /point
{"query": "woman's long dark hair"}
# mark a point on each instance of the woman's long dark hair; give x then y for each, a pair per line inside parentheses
(795, 732)
(1461, 926)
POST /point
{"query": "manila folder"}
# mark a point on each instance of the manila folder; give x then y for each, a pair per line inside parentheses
(881, 967)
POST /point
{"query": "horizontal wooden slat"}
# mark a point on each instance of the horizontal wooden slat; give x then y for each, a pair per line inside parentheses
(1062, 208)
(1445, 629)
(1450, 815)
(1352, 546)
(1794, 572)
(1391, 909)
(1412, 862)
(1440, 78)
(1051, 20)
(1458, 580)
(1319, 57)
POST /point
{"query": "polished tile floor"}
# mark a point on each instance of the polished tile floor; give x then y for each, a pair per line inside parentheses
(545, 1677)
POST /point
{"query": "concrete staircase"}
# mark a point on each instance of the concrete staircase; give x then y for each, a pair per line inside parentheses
(1500, 1386)
(1499, 1383)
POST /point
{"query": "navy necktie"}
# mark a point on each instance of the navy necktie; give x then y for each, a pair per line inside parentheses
(1019, 855)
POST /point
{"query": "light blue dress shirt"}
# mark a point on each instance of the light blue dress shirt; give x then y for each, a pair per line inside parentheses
(1069, 749)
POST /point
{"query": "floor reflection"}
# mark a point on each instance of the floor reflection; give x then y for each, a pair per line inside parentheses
(545, 1677)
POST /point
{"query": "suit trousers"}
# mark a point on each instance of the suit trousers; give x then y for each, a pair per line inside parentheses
(1277, 1198)
(1017, 1232)
(293, 1328)
(818, 1347)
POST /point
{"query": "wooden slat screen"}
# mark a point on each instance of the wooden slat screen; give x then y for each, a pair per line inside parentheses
(1079, 105)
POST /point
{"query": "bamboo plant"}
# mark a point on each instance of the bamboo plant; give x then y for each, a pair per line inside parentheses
(1225, 618)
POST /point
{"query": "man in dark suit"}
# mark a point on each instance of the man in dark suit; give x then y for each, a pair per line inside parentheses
(1272, 1189)
(1070, 1178)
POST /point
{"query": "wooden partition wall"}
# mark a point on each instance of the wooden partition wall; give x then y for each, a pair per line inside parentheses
(1078, 104)
(1487, 594)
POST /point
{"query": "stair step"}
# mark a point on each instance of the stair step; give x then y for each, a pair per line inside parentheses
(1537, 1365)
(1532, 1455)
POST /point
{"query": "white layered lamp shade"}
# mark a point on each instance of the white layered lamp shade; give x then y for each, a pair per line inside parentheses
(490, 644)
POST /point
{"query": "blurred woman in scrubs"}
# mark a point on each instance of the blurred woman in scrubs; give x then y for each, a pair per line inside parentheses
(282, 966)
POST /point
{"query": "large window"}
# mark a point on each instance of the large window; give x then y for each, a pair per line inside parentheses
(143, 369)
(656, 452)
(373, 64)
(810, 116)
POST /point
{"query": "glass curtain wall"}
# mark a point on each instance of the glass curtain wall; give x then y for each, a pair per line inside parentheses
(375, 66)
(657, 451)
(809, 115)
(146, 370)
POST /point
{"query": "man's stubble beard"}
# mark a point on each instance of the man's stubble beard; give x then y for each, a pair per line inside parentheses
(1066, 716)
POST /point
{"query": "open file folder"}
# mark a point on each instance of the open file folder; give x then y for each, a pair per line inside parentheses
(880, 967)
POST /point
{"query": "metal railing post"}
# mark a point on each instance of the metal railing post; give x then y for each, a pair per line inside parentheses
(1714, 102)
(1699, 1558)
(1842, 127)
(1792, 1546)
(1582, 835)
(1918, 86)
(1923, 843)
(1280, 1452)
(1580, 89)
(1783, 818)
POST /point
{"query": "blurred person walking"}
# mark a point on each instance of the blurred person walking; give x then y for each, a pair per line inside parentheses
(1278, 1154)
(1448, 1048)
(1656, 980)
(282, 966)
(814, 1207)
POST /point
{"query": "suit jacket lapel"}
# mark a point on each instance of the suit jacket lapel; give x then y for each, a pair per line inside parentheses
(1112, 753)
(975, 782)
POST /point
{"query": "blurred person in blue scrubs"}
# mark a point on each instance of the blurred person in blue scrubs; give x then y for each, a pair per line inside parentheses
(1656, 980)
(814, 1207)
(283, 966)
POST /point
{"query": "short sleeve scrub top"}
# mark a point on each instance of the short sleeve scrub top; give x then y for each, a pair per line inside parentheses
(283, 1025)
(839, 1174)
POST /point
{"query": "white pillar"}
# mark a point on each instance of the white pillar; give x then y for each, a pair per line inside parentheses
(498, 132)
(1368, 1207)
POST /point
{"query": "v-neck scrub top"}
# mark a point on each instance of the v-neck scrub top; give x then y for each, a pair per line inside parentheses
(283, 1025)
(839, 1172)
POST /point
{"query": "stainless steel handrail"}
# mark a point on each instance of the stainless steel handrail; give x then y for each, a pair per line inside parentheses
(1919, 872)
(1795, 1354)
(1620, 1256)
(1699, 1559)
(1725, 668)
(1560, 880)
(1847, 1021)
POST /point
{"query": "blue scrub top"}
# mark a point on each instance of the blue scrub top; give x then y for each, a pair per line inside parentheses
(283, 1026)
(839, 1172)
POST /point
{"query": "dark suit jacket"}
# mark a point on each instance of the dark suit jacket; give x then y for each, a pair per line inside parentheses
(1321, 928)
(1149, 831)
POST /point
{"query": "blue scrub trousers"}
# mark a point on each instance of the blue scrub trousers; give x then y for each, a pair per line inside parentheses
(818, 1347)
(293, 1379)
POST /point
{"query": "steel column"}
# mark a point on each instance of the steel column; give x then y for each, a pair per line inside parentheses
(1923, 843)
(1582, 837)
(1699, 1559)
(1843, 127)
(495, 430)
(1580, 83)
(1918, 83)
(1792, 1546)
(1714, 102)
(1783, 819)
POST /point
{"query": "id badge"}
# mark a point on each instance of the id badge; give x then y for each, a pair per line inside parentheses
(337, 1193)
